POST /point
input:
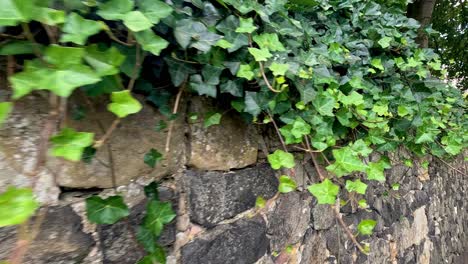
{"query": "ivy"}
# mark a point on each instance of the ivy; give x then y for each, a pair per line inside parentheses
(16, 206)
(106, 211)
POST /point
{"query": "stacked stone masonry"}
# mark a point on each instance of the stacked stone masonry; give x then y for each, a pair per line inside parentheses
(213, 176)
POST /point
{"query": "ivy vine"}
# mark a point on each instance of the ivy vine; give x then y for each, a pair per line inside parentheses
(343, 81)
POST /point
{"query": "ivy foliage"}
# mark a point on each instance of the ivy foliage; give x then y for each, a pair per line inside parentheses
(341, 78)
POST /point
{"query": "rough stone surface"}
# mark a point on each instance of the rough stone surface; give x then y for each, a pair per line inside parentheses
(59, 241)
(289, 220)
(230, 145)
(117, 241)
(314, 248)
(215, 196)
(134, 137)
(242, 242)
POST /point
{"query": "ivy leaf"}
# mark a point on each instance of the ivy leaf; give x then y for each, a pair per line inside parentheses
(366, 227)
(232, 87)
(16, 206)
(19, 47)
(377, 63)
(453, 144)
(345, 162)
(202, 88)
(5, 109)
(160, 126)
(300, 128)
(280, 159)
(260, 202)
(324, 103)
(354, 98)
(325, 192)
(361, 148)
(152, 191)
(154, 10)
(106, 211)
(159, 256)
(157, 215)
(279, 69)
(286, 184)
(375, 170)
(77, 29)
(250, 104)
(123, 104)
(385, 42)
(211, 74)
(260, 54)
(269, 41)
(179, 71)
(136, 21)
(104, 62)
(152, 157)
(245, 71)
(63, 57)
(222, 43)
(70, 144)
(195, 34)
(356, 186)
(246, 25)
(212, 119)
(15, 11)
(115, 9)
(151, 42)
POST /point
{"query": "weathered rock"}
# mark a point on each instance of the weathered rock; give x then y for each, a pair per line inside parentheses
(215, 196)
(230, 145)
(323, 217)
(134, 137)
(117, 240)
(289, 221)
(242, 242)
(59, 241)
(314, 248)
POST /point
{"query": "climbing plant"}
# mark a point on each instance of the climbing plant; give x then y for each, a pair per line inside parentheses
(343, 81)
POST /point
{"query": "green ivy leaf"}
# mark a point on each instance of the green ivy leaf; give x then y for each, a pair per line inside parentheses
(280, 159)
(346, 162)
(232, 87)
(77, 29)
(5, 109)
(16, 206)
(361, 148)
(160, 126)
(366, 227)
(245, 71)
(269, 41)
(123, 104)
(179, 71)
(152, 157)
(260, 202)
(115, 9)
(250, 104)
(70, 144)
(202, 88)
(152, 190)
(49, 16)
(246, 25)
(63, 57)
(104, 62)
(212, 119)
(279, 69)
(154, 10)
(260, 54)
(377, 63)
(354, 98)
(158, 256)
(151, 42)
(375, 170)
(324, 103)
(224, 44)
(15, 11)
(286, 184)
(356, 186)
(106, 211)
(325, 192)
(385, 42)
(157, 215)
(136, 21)
(17, 47)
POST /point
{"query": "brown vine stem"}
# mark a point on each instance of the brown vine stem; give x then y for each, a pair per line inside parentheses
(174, 111)
(314, 159)
(114, 38)
(265, 78)
(277, 131)
(138, 62)
(345, 227)
(30, 37)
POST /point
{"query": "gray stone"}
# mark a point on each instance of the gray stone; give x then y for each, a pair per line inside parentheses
(289, 220)
(59, 241)
(323, 216)
(134, 137)
(242, 242)
(314, 248)
(118, 242)
(215, 196)
(232, 144)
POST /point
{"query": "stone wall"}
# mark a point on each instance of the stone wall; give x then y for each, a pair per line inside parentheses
(213, 176)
